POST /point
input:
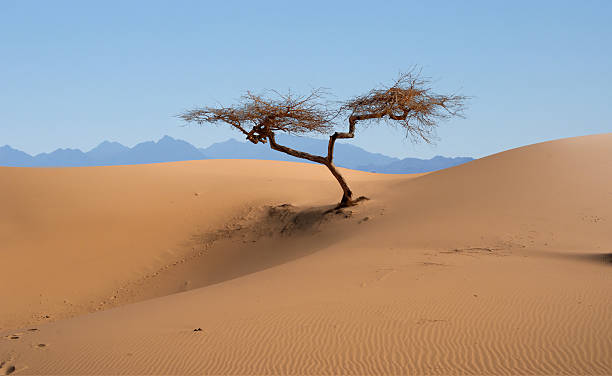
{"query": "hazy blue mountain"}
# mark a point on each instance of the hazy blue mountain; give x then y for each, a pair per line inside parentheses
(345, 155)
(232, 149)
(168, 149)
(14, 158)
(415, 165)
(62, 158)
(108, 153)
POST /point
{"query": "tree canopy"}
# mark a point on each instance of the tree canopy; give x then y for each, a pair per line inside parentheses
(410, 103)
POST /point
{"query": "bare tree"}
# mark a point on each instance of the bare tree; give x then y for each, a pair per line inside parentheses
(409, 102)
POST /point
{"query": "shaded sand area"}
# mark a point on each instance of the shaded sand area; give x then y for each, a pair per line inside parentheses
(501, 265)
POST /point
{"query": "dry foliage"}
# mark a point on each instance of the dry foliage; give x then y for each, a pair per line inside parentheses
(286, 113)
(409, 102)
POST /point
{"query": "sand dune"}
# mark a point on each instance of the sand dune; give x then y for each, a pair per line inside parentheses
(501, 265)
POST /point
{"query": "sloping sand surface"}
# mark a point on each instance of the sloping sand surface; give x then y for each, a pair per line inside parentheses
(501, 265)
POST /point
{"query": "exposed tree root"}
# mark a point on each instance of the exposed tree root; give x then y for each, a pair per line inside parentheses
(345, 203)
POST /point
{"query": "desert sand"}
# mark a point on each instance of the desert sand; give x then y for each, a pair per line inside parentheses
(498, 266)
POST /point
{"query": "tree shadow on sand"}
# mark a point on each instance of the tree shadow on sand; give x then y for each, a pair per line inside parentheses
(262, 238)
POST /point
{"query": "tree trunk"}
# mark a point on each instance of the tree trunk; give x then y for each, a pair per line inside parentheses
(347, 194)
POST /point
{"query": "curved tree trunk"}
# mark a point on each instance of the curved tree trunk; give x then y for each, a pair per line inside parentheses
(347, 194)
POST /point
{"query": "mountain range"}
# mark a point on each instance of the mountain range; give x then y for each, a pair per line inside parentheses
(169, 149)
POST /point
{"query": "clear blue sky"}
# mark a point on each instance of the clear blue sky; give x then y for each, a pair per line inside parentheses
(73, 74)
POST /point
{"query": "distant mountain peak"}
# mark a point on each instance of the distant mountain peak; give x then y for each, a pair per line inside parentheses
(13, 157)
(167, 138)
(62, 151)
(106, 143)
(107, 152)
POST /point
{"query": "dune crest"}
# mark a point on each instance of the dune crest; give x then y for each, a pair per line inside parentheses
(500, 265)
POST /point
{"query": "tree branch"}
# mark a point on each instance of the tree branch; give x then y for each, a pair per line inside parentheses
(294, 153)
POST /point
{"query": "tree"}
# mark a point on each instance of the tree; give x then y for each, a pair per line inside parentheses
(409, 102)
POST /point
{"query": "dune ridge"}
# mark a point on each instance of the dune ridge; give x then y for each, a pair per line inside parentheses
(501, 265)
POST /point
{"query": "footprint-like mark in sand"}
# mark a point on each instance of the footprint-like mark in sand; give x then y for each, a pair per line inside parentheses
(475, 251)
(6, 368)
(429, 321)
(383, 273)
(431, 263)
